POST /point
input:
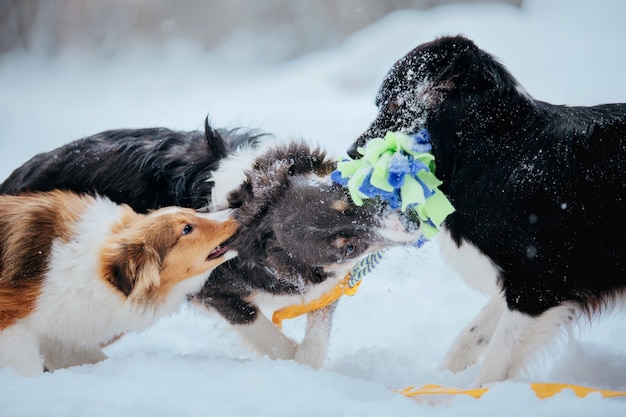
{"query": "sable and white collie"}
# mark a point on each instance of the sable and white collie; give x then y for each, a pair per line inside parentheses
(539, 191)
(78, 271)
(299, 232)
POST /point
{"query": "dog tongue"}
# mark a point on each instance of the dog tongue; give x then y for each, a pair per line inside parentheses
(217, 252)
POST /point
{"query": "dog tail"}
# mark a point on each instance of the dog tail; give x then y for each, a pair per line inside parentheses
(213, 139)
(226, 141)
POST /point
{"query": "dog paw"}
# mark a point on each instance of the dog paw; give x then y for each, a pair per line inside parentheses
(311, 354)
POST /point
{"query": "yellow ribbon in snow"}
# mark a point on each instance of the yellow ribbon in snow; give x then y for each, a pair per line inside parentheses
(542, 390)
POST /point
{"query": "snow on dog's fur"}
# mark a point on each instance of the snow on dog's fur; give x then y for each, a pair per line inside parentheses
(539, 191)
(300, 233)
(78, 271)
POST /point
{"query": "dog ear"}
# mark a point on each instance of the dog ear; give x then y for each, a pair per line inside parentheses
(301, 159)
(467, 72)
(135, 265)
(270, 174)
(132, 264)
(261, 189)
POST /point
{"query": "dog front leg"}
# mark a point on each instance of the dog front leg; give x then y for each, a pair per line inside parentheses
(519, 337)
(19, 349)
(267, 339)
(509, 337)
(57, 356)
(314, 346)
(468, 346)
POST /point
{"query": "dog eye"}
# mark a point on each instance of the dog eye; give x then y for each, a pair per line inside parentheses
(350, 249)
(187, 229)
(394, 102)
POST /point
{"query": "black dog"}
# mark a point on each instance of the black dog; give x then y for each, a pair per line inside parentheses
(539, 191)
(299, 233)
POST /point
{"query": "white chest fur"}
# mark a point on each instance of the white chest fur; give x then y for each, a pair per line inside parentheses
(477, 270)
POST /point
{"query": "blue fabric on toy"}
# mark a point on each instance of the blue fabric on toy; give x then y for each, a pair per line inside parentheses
(398, 169)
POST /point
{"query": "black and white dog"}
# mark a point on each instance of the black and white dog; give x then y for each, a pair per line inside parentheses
(539, 191)
(299, 232)
(144, 168)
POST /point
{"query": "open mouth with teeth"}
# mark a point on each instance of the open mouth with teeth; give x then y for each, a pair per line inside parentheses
(217, 252)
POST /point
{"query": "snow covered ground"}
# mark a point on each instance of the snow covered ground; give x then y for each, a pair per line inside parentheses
(393, 333)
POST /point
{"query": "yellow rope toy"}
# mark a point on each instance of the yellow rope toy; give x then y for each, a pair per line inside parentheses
(348, 286)
(542, 390)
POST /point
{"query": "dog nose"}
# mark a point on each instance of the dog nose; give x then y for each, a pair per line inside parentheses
(365, 137)
(352, 153)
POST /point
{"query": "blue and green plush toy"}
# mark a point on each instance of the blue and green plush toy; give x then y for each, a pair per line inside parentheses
(400, 170)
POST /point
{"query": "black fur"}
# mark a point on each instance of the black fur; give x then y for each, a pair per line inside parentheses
(145, 168)
(538, 188)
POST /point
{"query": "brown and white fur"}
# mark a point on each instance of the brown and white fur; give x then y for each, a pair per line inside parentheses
(78, 271)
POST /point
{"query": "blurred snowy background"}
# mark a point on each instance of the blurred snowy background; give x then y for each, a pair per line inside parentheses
(277, 30)
(71, 68)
